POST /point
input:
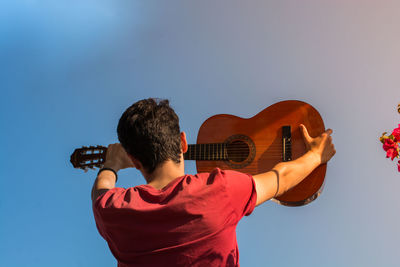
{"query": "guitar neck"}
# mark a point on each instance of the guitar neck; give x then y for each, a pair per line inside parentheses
(215, 151)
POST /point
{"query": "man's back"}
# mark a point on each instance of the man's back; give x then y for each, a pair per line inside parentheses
(190, 222)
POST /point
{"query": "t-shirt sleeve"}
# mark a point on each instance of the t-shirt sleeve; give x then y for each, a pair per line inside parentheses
(110, 198)
(105, 206)
(242, 191)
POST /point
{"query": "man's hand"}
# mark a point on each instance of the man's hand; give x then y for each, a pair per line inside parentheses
(321, 146)
(117, 158)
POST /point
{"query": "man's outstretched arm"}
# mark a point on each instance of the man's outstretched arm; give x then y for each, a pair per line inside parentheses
(104, 182)
(286, 175)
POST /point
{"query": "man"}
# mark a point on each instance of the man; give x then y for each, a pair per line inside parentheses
(177, 219)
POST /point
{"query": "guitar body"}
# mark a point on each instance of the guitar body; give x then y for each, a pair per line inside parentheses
(262, 134)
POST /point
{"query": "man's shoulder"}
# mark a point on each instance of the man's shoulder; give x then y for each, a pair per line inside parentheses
(221, 175)
(104, 198)
(221, 172)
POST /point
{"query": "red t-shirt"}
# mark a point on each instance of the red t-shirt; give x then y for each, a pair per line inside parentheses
(190, 222)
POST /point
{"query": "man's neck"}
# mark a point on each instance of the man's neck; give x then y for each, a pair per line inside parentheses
(165, 173)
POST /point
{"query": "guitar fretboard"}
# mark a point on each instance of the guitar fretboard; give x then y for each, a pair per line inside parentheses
(215, 151)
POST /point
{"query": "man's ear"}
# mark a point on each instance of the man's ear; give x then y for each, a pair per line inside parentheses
(184, 145)
(138, 165)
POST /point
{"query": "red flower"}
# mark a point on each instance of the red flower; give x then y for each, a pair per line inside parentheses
(396, 133)
(391, 148)
(398, 166)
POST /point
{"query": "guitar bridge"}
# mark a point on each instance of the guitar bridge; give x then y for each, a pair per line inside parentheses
(286, 143)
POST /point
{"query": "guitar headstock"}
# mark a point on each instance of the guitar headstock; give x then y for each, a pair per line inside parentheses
(89, 157)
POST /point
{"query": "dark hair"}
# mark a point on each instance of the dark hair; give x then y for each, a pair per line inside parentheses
(149, 131)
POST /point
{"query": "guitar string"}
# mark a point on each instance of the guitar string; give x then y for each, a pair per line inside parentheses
(232, 152)
(217, 155)
(211, 148)
(271, 145)
(231, 158)
(252, 171)
(236, 148)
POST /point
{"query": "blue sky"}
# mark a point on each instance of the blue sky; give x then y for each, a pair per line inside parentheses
(69, 69)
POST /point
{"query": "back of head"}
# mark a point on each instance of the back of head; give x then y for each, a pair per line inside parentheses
(149, 131)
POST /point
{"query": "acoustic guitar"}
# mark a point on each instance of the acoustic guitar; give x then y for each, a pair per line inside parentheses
(252, 145)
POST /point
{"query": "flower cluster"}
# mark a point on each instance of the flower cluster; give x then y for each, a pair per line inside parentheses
(391, 144)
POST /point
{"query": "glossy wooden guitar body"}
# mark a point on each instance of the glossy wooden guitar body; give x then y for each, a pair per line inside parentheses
(264, 130)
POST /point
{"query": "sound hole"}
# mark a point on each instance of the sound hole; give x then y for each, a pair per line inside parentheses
(238, 151)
